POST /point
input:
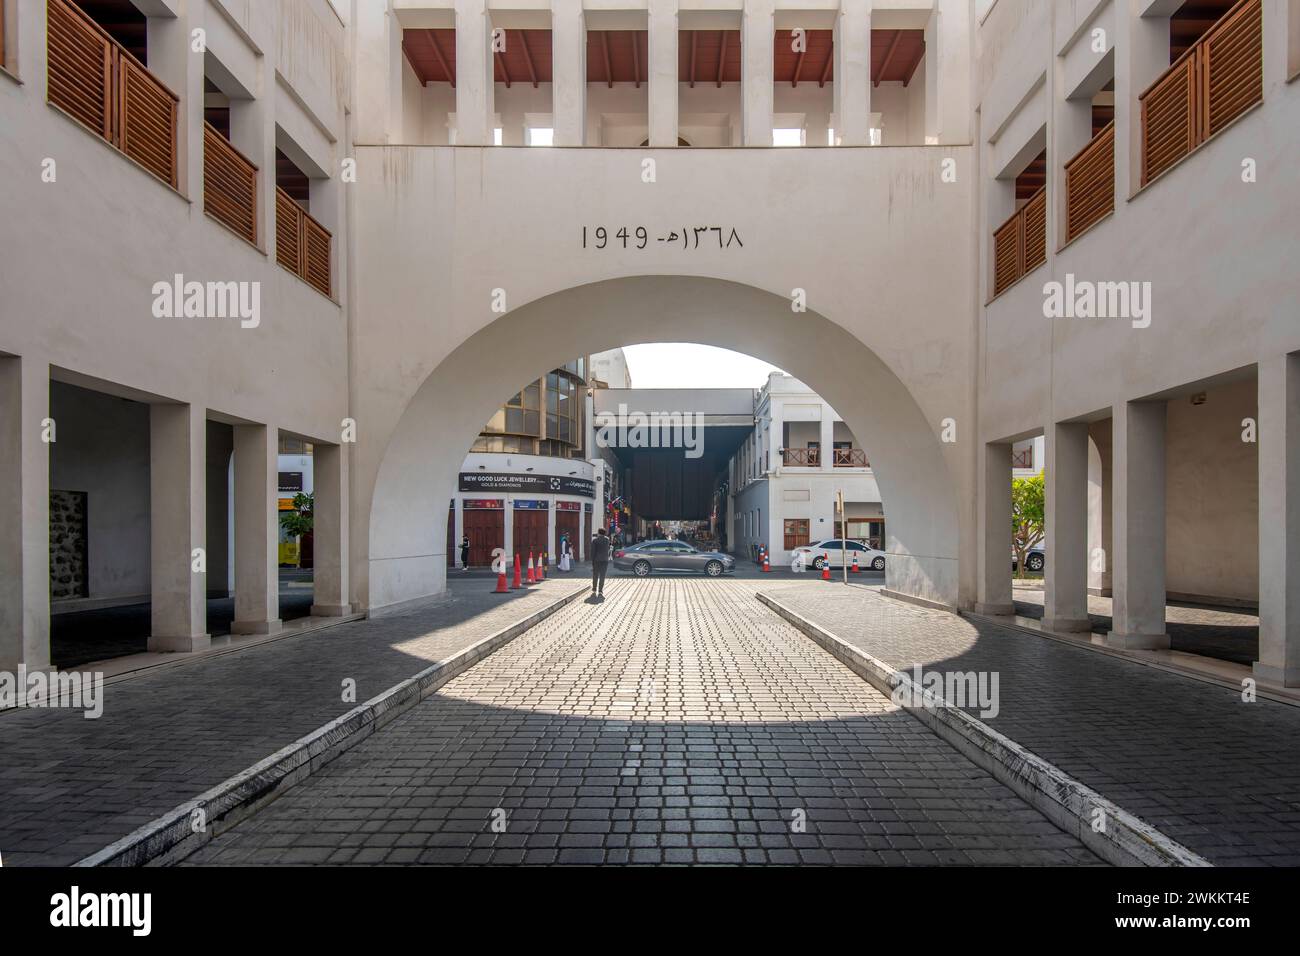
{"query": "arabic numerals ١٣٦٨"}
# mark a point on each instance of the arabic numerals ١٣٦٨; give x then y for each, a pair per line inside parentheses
(639, 237)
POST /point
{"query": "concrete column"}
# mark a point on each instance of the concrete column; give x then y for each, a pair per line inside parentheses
(1066, 476)
(177, 519)
(1141, 55)
(758, 33)
(508, 539)
(252, 130)
(550, 529)
(219, 449)
(330, 532)
(1139, 532)
(1279, 521)
(1100, 518)
(474, 77)
(24, 513)
(257, 571)
(851, 86)
(569, 72)
(948, 73)
(826, 438)
(994, 585)
(172, 61)
(376, 41)
(662, 72)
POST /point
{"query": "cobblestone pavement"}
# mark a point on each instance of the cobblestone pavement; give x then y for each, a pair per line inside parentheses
(70, 786)
(679, 721)
(1219, 775)
(1221, 633)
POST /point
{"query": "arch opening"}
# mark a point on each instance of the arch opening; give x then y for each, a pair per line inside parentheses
(406, 558)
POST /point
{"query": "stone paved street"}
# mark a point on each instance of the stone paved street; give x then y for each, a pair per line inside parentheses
(69, 786)
(679, 721)
(1218, 775)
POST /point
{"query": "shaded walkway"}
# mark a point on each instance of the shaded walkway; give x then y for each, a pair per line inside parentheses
(70, 786)
(1219, 775)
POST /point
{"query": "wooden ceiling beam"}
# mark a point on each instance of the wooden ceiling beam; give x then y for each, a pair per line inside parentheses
(528, 57)
(722, 57)
(695, 35)
(915, 63)
(609, 71)
(447, 71)
(798, 68)
(502, 63)
(889, 58)
(826, 70)
(636, 57)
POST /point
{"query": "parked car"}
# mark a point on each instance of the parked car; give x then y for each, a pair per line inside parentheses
(815, 555)
(650, 556)
(1035, 559)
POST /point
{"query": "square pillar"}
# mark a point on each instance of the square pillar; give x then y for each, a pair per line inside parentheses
(1066, 476)
(218, 493)
(172, 60)
(758, 35)
(474, 76)
(177, 525)
(24, 513)
(1100, 520)
(1139, 531)
(851, 86)
(1279, 521)
(661, 69)
(257, 571)
(993, 589)
(569, 72)
(330, 532)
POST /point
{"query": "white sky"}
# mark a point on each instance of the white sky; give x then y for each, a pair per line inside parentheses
(677, 365)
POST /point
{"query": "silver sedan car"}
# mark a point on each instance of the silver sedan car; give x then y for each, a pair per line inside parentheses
(650, 556)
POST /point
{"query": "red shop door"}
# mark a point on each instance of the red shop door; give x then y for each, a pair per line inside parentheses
(530, 533)
(487, 530)
(567, 522)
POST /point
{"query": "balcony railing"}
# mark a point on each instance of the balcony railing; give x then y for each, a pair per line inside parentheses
(229, 185)
(1023, 458)
(98, 82)
(850, 458)
(302, 245)
(802, 457)
(1090, 183)
(1020, 243)
(1210, 85)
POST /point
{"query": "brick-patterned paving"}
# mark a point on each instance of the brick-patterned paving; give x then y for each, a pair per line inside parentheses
(70, 786)
(679, 721)
(1217, 774)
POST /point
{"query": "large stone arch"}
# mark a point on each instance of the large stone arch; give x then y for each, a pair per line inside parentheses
(406, 558)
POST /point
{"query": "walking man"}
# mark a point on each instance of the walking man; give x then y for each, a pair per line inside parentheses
(599, 561)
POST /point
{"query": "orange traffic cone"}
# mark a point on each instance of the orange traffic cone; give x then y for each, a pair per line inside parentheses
(532, 573)
(519, 583)
(854, 569)
(767, 567)
(502, 588)
(826, 567)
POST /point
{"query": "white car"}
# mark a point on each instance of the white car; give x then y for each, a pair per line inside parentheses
(819, 553)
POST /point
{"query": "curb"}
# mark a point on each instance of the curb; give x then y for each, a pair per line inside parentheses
(1126, 841)
(171, 837)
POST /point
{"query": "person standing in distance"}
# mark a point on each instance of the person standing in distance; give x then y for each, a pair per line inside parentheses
(599, 561)
(464, 553)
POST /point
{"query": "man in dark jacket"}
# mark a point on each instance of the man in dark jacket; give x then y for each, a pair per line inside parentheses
(599, 561)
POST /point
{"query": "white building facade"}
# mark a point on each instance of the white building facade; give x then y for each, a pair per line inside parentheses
(785, 478)
(1078, 225)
